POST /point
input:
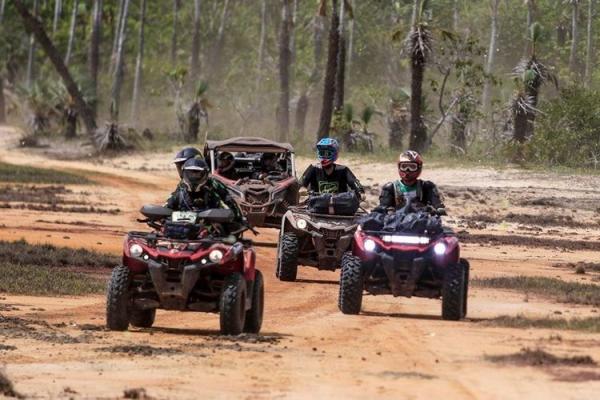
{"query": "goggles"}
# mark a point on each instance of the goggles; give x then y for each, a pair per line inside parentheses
(326, 154)
(408, 167)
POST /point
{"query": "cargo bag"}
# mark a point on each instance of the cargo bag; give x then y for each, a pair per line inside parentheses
(334, 204)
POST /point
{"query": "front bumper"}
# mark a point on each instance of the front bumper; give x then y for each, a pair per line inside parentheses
(174, 295)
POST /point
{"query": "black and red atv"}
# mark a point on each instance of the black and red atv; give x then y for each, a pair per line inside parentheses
(410, 254)
(263, 192)
(188, 263)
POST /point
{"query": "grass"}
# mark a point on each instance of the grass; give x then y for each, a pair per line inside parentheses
(27, 174)
(46, 270)
(39, 280)
(562, 291)
(541, 358)
(21, 252)
(590, 324)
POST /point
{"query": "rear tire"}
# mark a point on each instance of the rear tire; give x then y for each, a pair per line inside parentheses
(142, 318)
(351, 285)
(254, 316)
(467, 268)
(233, 305)
(118, 299)
(453, 292)
(287, 260)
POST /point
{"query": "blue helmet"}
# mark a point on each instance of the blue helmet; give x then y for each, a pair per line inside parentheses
(327, 151)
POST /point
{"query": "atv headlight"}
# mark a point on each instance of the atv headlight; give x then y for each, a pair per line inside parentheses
(370, 245)
(136, 250)
(440, 249)
(215, 256)
(301, 224)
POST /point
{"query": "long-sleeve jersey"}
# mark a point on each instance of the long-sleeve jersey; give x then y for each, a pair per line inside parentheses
(422, 193)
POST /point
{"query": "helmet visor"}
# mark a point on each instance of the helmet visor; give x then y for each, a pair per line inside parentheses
(408, 167)
(195, 177)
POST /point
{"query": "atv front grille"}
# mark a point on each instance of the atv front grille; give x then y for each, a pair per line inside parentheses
(332, 234)
(257, 197)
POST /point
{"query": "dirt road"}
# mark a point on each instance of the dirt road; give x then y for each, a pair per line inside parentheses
(397, 348)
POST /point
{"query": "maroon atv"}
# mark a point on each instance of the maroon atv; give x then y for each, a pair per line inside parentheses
(263, 195)
(421, 260)
(186, 264)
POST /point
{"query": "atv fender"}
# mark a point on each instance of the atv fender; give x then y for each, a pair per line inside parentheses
(249, 264)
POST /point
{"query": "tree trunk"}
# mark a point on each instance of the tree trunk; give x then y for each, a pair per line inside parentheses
(301, 113)
(219, 42)
(318, 33)
(283, 111)
(574, 38)
(458, 137)
(195, 66)
(137, 82)
(2, 101)
(118, 70)
(36, 29)
(520, 122)
(31, 53)
(174, 37)
(330, 72)
(455, 16)
(116, 36)
(261, 45)
(57, 12)
(2, 8)
(70, 118)
(293, 32)
(71, 32)
(418, 132)
(94, 55)
(398, 125)
(350, 45)
(491, 56)
(589, 59)
(340, 73)
(415, 12)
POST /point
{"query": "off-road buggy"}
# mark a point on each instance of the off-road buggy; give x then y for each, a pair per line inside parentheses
(408, 253)
(187, 263)
(263, 196)
(313, 239)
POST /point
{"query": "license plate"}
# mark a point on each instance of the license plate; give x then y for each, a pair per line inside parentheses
(184, 216)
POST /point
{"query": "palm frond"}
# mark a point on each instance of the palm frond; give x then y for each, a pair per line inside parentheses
(348, 112)
(367, 114)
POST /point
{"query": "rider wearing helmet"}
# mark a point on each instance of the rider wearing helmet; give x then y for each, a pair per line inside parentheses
(329, 177)
(182, 156)
(225, 166)
(409, 187)
(199, 191)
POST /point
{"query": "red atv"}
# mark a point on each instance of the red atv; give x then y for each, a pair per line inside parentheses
(407, 263)
(186, 264)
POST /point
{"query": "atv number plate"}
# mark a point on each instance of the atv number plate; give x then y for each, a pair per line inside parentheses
(184, 216)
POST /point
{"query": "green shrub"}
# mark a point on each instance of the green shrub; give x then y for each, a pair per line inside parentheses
(568, 130)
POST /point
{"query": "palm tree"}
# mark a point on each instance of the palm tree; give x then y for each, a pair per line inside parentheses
(72, 32)
(491, 54)
(174, 36)
(530, 74)
(283, 112)
(418, 45)
(195, 65)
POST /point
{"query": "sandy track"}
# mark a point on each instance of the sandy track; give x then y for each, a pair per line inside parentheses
(397, 348)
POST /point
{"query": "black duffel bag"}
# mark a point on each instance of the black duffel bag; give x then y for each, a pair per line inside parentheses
(181, 230)
(334, 204)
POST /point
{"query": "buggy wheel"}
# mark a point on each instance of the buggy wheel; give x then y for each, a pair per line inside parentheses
(351, 285)
(233, 305)
(142, 318)
(287, 258)
(467, 268)
(118, 299)
(453, 292)
(254, 316)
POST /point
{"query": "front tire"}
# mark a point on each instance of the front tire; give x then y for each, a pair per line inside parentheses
(118, 299)
(233, 305)
(287, 262)
(453, 292)
(351, 285)
(254, 316)
(467, 268)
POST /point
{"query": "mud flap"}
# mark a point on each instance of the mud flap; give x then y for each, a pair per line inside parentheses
(174, 295)
(403, 281)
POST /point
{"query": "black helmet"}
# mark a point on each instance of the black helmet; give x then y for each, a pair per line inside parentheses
(195, 174)
(268, 160)
(226, 161)
(183, 155)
